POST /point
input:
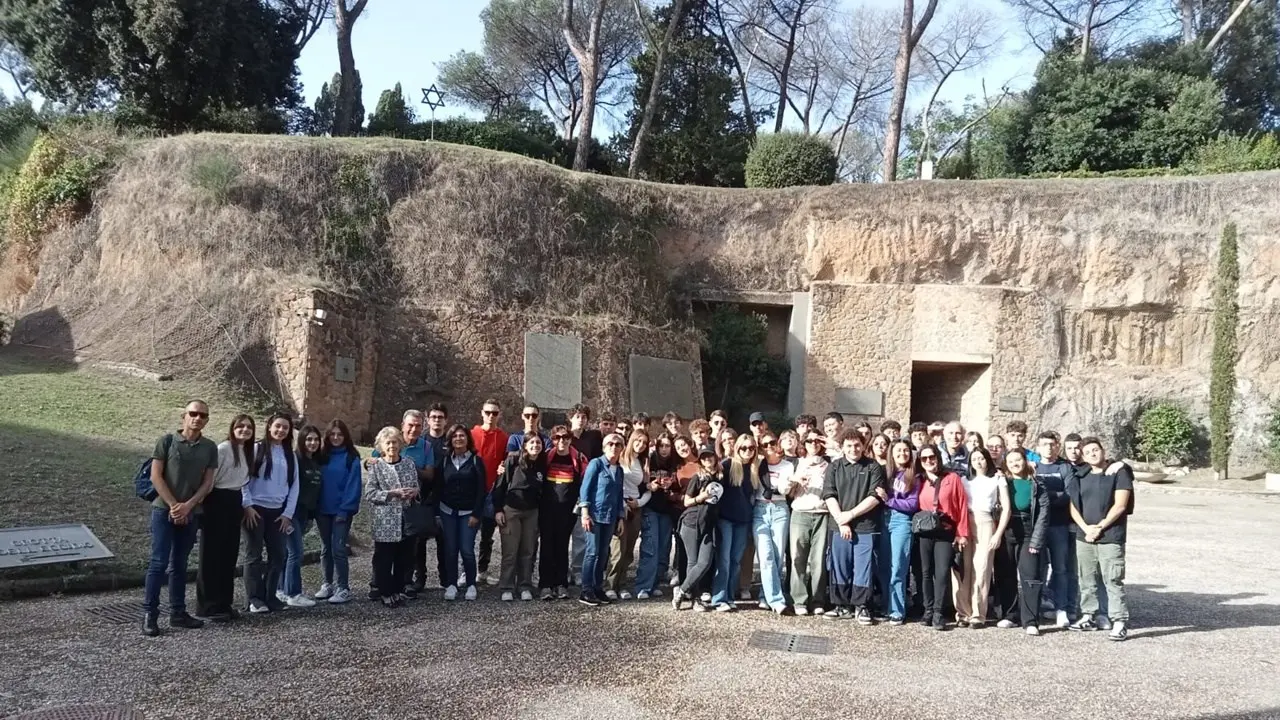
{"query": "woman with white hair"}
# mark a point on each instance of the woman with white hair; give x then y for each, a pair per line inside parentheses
(391, 486)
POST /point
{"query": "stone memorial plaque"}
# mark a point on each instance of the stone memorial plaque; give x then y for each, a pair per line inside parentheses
(552, 370)
(26, 546)
(659, 385)
(344, 369)
(854, 401)
(1013, 403)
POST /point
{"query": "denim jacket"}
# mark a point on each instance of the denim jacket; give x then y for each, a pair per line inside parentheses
(601, 492)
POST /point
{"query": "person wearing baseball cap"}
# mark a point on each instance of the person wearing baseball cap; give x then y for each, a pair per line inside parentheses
(758, 424)
(808, 531)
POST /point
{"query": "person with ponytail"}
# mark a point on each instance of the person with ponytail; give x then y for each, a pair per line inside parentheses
(269, 499)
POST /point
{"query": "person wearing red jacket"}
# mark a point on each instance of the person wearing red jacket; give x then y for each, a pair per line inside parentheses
(491, 445)
(942, 492)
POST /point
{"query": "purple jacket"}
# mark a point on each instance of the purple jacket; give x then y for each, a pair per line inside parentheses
(907, 503)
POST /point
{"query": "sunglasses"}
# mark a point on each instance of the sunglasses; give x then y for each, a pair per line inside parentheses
(811, 441)
(529, 416)
(490, 412)
(558, 438)
(928, 458)
(197, 414)
(771, 443)
(749, 448)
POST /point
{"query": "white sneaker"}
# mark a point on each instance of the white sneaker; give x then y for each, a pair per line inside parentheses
(611, 595)
(642, 595)
(1006, 624)
(471, 592)
(801, 610)
(744, 594)
(1062, 620)
(282, 597)
(624, 595)
(506, 596)
(1102, 621)
(705, 597)
(340, 596)
(258, 608)
(1032, 630)
(1119, 632)
(762, 605)
(300, 601)
(325, 592)
(525, 595)
(451, 592)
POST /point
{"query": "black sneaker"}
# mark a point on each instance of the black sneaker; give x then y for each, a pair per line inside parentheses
(418, 586)
(184, 620)
(411, 592)
(939, 623)
(374, 594)
(219, 616)
(151, 624)
(864, 617)
(1083, 624)
(589, 600)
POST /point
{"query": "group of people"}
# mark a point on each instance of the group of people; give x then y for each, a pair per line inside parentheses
(842, 523)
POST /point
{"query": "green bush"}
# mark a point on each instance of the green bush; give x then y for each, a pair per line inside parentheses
(216, 173)
(1273, 439)
(1165, 434)
(1235, 153)
(789, 159)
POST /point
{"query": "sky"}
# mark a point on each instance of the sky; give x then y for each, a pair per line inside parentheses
(403, 41)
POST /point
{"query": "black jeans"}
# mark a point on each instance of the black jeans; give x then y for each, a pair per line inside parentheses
(1028, 574)
(487, 526)
(261, 579)
(936, 555)
(1004, 581)
(218, 551)
(391, 563)
(555, 528)
(699, 548)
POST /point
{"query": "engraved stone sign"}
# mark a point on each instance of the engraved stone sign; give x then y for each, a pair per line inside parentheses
(1013, 403)
(552, 370)
(344, 369)
(659, 385)
(26, 546)
(854, 401)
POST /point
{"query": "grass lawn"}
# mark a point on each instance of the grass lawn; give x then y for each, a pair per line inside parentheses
(70, 441)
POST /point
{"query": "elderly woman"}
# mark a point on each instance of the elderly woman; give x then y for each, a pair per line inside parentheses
(392, 484)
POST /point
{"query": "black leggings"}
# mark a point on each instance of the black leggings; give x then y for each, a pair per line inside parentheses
(1026, 581)
(700, 549)
(555, 529)
(936, 555)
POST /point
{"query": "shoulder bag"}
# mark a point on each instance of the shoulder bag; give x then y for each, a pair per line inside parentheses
(931, 523)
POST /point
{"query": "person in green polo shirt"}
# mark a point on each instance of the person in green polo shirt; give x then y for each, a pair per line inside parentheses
(182, 472)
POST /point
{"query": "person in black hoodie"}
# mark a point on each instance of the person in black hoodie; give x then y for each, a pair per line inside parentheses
(518, 494)
(849, 489)
(697, 528)
(556, 513)
(462, 480)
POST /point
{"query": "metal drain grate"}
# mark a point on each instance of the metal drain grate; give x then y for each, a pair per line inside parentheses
(84, 712)
(783, 642)
(123, 613)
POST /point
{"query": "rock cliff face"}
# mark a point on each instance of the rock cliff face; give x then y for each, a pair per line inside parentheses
(1103, 285)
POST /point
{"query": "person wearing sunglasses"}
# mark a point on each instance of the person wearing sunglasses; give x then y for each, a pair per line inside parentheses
(740, 476)
(808, 528)
(182, 469)
(600, 500)
(771, 522)
(941, 493)
(851, 489)
(556, 516)
(490, 443)
(531, 416)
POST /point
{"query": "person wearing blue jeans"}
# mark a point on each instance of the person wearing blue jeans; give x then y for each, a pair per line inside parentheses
(461, 478)
(600, 508)
(310, 473)
(170, 547)
(771, 522)
(1054, 473)
(655, 548)
(340, 491)
(740, 476)
(852, 488)
(902, 501)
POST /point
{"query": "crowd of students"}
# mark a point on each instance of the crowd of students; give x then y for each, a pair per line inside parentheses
(842, 523)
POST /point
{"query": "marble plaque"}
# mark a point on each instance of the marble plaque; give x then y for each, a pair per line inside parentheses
(552, 370)
(853, 401)
(659, 385)
(27, 546)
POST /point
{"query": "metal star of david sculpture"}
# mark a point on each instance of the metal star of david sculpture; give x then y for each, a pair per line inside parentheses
(432, 98)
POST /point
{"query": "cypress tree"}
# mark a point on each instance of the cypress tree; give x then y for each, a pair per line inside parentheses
(1222, 371)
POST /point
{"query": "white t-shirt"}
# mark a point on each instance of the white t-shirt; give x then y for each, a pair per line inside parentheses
(228, 475)
(983, 492)
(780, 480)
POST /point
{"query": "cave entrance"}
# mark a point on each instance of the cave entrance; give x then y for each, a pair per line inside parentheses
(946, 391)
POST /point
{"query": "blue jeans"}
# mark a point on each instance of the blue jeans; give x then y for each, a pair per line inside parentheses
(291, 578)
(770, 524)
(459, 538)
(894, 562)
(334, 533)
(655, 549)
(1064, 583)
(170, 547)
(731, 542)
(595, 557)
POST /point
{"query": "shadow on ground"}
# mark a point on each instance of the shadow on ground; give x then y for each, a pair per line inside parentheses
(1177, 613)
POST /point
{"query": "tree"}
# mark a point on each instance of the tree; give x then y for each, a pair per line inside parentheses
(661, 48)
(319, 120)
(307, 15)
(474, 80)
(909, 35)
(697, 137)
(789, 159)
(392, 116)
(725, 18)
(1245, 61)
(586, 50)
(13, 64)
(772, 34)
(858, 80)
(344, 20)
(1047, 20)
(148, 61)
(1222, 366)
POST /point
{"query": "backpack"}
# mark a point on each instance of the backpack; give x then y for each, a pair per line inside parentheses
(142, 485)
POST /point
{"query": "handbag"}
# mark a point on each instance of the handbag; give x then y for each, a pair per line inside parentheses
(419, 519)
(930, 523)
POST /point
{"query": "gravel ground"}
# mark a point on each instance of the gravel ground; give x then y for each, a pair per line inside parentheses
(1205, 644)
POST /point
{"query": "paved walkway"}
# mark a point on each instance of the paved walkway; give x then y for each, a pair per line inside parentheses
(1204, 577)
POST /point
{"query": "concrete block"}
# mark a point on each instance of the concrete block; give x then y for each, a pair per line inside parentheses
(1013, 403)
(552, 370)
(659, 385)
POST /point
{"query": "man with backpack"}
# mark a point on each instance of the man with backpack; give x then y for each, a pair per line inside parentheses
(182, 468)
(1101, 502)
